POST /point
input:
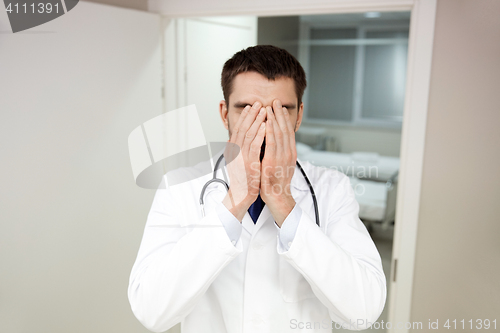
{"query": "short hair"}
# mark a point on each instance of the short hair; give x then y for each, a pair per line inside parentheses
(268, 60)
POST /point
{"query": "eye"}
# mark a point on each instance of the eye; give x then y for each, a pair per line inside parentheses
(243, 107)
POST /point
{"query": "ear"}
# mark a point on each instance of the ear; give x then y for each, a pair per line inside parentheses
(300, 113)
(223, 113)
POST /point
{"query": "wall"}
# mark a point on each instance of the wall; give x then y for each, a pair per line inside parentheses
(184, 8)
(281, 31)
(132, 4)
(458, 250)
(71, 217)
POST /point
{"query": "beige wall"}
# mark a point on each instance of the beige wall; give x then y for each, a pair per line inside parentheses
(458, 246)
(71, 216)
(282, 31)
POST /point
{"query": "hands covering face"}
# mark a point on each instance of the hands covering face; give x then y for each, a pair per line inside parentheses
(271, 177)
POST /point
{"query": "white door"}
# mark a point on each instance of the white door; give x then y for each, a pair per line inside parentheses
(196, 49)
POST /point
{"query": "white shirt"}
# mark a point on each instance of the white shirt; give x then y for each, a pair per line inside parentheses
(285, 234)
(214, 275)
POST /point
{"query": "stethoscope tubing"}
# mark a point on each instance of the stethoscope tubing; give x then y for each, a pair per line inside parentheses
(216, 180)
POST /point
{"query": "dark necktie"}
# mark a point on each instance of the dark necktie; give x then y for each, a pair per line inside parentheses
(256, 208)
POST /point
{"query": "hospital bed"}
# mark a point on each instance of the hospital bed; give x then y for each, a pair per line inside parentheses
(362, 165)
(373, 178)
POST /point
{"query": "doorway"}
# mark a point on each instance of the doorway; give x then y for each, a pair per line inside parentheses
(420, 37)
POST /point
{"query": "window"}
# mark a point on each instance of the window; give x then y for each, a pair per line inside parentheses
(356, 75)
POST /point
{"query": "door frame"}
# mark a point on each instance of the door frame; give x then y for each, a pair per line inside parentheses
(420, 46)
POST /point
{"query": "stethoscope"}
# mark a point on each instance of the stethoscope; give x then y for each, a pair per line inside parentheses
(216, 180)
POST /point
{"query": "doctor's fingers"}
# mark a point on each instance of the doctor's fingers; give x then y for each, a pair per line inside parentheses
(277, 134)
(232, 150)
(291, 134)
(237, 126)
(253, 130)
(282, 124)
(270, 153)
(246, 123)
(256, 144)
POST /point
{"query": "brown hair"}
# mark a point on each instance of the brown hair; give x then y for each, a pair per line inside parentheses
(267, 60)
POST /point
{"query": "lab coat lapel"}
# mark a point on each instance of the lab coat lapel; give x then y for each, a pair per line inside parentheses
(247, 223)
(300, 189)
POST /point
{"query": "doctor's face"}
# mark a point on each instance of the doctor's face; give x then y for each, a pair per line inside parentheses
(250, 87)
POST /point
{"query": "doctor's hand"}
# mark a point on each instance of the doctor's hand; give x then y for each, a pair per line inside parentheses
(279, 162)
(244, 162)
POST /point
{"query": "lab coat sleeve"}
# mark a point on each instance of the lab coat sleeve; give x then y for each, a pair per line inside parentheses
(342, 265)
(176, 265)
(289, 228)
(230, 222)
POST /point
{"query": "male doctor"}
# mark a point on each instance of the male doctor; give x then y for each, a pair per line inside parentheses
(258, 262)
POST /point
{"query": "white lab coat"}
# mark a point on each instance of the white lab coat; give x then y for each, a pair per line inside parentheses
(187, 269)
